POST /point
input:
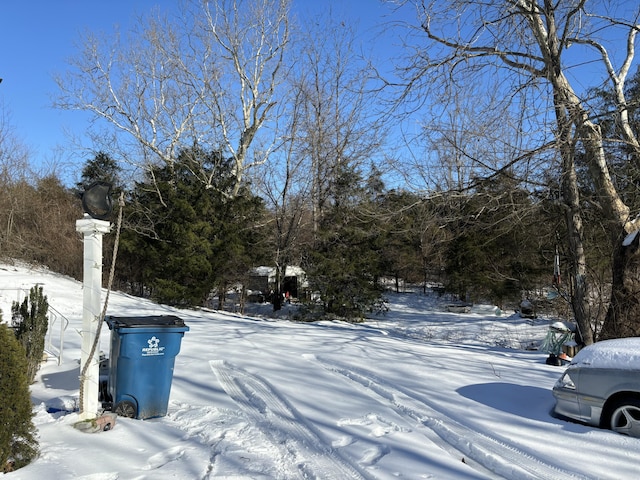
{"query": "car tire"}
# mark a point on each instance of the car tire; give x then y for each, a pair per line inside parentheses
(625, 416)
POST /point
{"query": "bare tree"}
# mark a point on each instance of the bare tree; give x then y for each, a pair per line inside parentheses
(339, 124)
(253, 37)
(286, 185)
(522, 45)
(207, 77)
(14, 172)
(325, 120)
(14, 155)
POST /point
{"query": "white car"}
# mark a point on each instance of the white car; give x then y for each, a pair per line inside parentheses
(601, 386)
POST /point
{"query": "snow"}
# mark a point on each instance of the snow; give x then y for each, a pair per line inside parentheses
(417, 393)
(622, 353)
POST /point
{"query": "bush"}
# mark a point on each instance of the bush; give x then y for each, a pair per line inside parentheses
(18, 444)
(30, 323)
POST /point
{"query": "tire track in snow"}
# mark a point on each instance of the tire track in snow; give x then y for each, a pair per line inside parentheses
(486, 452)
(282, 423)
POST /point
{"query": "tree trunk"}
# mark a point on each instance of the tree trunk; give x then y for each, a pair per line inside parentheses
(623, 315)
(571, 200)
(577, 269)
(277, 290)
(623, 307)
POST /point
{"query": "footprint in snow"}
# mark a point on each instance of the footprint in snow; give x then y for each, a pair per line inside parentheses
(160, 459)
(371, 456)
(377, 426)
(343, 441)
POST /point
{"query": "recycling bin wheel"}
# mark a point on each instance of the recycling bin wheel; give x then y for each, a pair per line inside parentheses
(126, 408)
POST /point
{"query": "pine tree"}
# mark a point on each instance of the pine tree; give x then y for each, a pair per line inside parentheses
(203, 237)
(403, 221)
(101, 168)
(18, 444)
(344, 263)
(31, 323)
(495, 250)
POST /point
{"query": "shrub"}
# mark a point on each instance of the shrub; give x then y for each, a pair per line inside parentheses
(18, 444)
(30, 323)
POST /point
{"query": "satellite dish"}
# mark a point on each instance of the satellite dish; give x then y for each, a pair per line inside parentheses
(96, 200)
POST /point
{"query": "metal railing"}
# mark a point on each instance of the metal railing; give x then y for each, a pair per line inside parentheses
(58, 323)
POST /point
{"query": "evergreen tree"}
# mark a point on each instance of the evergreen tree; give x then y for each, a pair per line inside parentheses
(200, 235)
(101, 168)
(18, 443)
(401, 220)
(31, 323)
(344, 265)
(495, 252)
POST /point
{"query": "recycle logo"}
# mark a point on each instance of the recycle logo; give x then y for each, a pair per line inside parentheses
(154, 347)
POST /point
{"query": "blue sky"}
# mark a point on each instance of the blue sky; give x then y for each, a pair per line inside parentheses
(37, 38)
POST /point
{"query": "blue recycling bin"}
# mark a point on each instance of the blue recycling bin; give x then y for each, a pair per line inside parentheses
(141, 361)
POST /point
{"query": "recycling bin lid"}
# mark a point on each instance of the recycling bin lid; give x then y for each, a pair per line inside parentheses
(155, 321)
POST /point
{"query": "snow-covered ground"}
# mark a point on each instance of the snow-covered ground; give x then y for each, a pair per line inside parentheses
(417, 393)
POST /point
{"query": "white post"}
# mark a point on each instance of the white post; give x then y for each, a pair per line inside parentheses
(92, 231)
